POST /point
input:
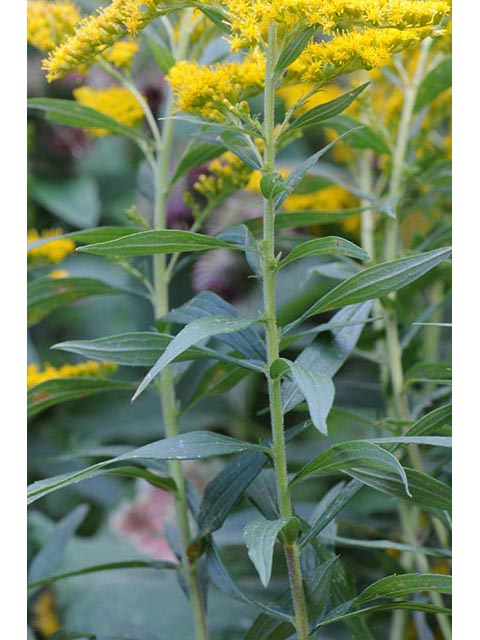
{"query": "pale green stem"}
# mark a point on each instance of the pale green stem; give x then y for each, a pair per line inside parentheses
(393, 347)
(166, 385)
(273, 344)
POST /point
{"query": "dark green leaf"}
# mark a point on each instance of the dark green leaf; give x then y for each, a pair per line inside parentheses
(260, 537)
(376, 282)
(47, 294)
(52, 392)
(72, 113)
(438, 372)
(75, 200)
(363, 137)
(435, 82)
(163, 56)
(149, 243)
(294, 48)
(431, 422)
(236, 143)
(403, 585)
(196, 155)
(325, 246)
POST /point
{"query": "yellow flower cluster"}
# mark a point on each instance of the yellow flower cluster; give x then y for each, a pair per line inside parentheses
(85, 369)
(116, 102)
(48, 23)
(211, 91)
(250, 18)
(50, 252)
(121, 53)
(331, 198)
(321, 62)
(101, 30)
(58, 274)
(226, 174)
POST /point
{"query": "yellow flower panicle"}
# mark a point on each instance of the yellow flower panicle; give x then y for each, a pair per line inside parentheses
(50, 252)
(321, 62)
(331, 198)
(211, 91)
(48, 23)
(36, 375)
(250, 18)
(121, 54)
(99, 31)
(116, 102)
(226, 174)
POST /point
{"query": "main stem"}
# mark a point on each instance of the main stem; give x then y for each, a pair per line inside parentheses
(269, 269)
(393, 346)
(166, 385)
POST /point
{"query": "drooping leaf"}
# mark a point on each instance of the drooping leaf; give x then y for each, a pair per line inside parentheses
(47, 294)
(149, 243)
(189, 446)
(260, 536)
(359, 460)
(51, 392)
(196, 155)
(247, 341)
(72, 113)
(327, 110)
(325, 246)
(375, 282)
(194, 332)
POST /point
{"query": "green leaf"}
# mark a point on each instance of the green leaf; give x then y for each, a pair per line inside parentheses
(50, 555)
(189, 446)
(431, 422)
(73, 114)
(294, 179)
(97, 234)
(75, 200)
(196, 155)
(432, 441)
(47, 294)
(143, 349)
(149, 243)
(433, 372)
(360, 460)
(362, 136)
(217, 17)
(403, 585)
(221, 579)
(327, 110)
(260, 536)
(111, 566)
(194, 332)
(294, 48)
(217, 379)
(163, 56)
(236, 143)
(325, 246)
(285, 220)
(435, 82)
(317, 389)
(52, 392)
(272, 185)
(376, 282)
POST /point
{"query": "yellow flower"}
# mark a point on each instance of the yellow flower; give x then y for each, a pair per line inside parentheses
(101, 30)
(48, 23)
(121, 53)
(211, 91)
(45, 618)
(331, 198)
(58, 274)
(116, 102)
(85, 369)
(225, 175)
(50, 252)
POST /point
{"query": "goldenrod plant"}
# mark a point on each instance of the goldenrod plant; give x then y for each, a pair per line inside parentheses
(282, 248)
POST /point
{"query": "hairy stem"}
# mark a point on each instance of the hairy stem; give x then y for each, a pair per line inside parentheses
(269, 268)
(166, 385)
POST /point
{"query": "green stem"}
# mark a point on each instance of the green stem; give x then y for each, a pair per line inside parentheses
(269, 269)
(166, 385)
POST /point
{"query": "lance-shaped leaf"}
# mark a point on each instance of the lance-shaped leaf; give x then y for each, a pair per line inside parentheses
(376, 282)
(189, 446)
(237, 143)
(96, 234)
(149, 243)
(47, 294)
(398, 586)
(329, 351)
(433, 421)
(247, 341)
(142, 349)
(52, 392)
(327, 110)
(285, 220)
(294, 48)
(196, 155)
(357, 459)
(163, 56)
(434, 83)
(325, 246)
(191, 334)
(316, 387)
(260, 537)
(362, 137)
(72, 113)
